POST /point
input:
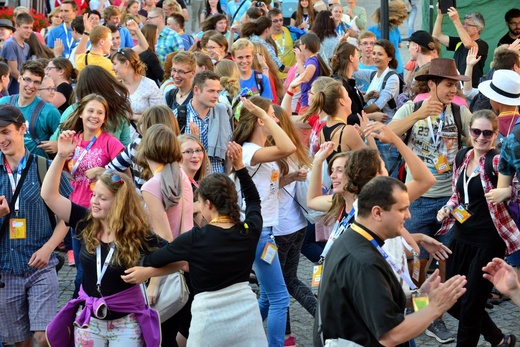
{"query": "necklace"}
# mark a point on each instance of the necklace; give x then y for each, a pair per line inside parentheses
(338, 119)
(222, 219)
(180, 95)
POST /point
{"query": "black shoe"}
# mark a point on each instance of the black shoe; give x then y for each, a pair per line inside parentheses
(509, 341)
(61, 261)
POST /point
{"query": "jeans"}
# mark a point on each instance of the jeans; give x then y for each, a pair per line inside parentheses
(389, 154)
(76, 248)
(289, 247)
(312, 249)
(424, 220)
(274, 298)
(411, 20)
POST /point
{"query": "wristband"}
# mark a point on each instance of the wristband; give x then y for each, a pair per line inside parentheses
(282, 67)
(446, 206)
(86, 33)
(62, 155)
(289, 92)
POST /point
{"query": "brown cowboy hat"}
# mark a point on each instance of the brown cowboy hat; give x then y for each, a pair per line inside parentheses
(443, 68)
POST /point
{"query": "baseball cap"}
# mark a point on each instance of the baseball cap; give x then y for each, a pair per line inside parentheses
(423, 39)
(10, 114)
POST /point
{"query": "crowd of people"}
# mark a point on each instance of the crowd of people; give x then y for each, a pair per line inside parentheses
(222, 154)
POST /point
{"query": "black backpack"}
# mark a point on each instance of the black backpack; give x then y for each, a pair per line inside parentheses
(488, 166)
(402, 84)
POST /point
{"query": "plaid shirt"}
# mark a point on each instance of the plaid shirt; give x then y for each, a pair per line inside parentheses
(500, 216)
(168, 41)
(217, 164)
(15, 253)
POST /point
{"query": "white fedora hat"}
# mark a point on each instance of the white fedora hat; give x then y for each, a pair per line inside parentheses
(504, 88)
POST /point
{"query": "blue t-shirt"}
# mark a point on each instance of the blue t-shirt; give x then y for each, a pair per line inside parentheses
(252, 85)
(232, 7)
(395, 38)
(65, 34)
(47, 121)
(306, 86)
(126, 38)
(362, 85)
(13, 51)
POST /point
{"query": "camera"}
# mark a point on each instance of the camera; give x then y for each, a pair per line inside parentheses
(259, 4)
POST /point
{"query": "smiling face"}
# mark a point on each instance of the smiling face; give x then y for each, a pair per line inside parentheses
(444, 91)
(337, 13)
(29, 84)
(116, 40)
(121, 69)
(56, 20)
(114, 20)
(214, 46)
(192, 157)
(337, 176)
(53, 72)
(381, 59)
(482, 134)
(93, 116)
(101, 201)
(11, 139)
(304, 3)
(47, 90)
(134, 9)
(244, 59)
(23, 31)
(182, 75)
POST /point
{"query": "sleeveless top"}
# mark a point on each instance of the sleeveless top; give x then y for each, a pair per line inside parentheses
(328, 133)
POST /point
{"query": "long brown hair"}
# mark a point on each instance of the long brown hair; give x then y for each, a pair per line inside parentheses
(246, 125)
(338, 202)
(127, 219)
(326, 100)
(74, 122)
(273, 68)
(301, 156)
(299, 13)
(312, 43)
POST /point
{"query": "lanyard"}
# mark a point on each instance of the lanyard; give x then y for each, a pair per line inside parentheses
(466, 184)
(405, 276)
(159, 169)
(14, 182)
(69, 42)
(89, 146)
(337, 230)
(435, 139)
(281, 48)
(101, 271)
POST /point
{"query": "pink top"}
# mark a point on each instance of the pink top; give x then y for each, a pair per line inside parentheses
(153, 186)
(106, 148)
(456, 99)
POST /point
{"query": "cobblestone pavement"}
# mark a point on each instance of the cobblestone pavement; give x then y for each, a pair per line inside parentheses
(506, 315)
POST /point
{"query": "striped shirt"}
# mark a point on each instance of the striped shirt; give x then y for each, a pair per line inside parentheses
(126, 159)
(16, 253)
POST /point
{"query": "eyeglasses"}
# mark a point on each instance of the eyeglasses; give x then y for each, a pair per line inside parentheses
(513, 24)
(49, 68)
(470, 25)
(213, 47)
(150, 18)
(366, 43)
(49, 89)
(190, 152)
(477, 132)
(180, 72)
(28, 80)
(114, 176)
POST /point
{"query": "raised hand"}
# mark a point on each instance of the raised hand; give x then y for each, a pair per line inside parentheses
(430, 107)
(472, 59)
(234, 154)
(326, 149)
(67, 143)
(254, 109)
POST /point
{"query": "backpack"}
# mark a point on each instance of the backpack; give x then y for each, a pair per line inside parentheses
(488, 166)
(34, 116)
(402, 84)
(400, 164)
(42, 165)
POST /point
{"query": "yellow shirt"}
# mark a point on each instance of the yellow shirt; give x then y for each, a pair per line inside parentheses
(284, 45)
(94, 59)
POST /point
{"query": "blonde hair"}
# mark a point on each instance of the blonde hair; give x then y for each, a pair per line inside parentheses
(229, 75)
(241, 44)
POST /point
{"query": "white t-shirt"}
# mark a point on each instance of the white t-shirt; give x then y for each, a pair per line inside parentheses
(266, 177)
(290, 215)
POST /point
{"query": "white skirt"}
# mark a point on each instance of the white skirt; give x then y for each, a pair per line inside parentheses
(227, 317)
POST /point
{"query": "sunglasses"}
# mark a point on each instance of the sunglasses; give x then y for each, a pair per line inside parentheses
(121, 51)
(477, 132)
